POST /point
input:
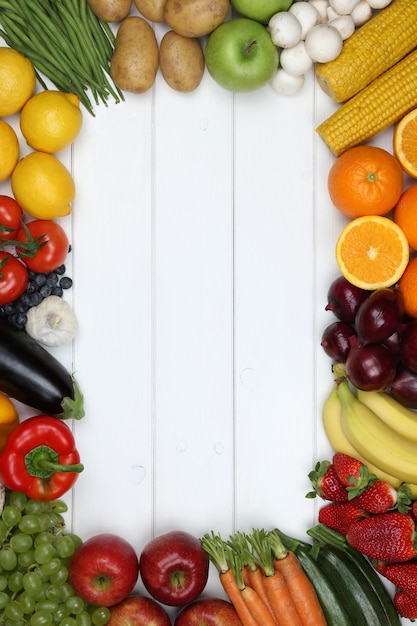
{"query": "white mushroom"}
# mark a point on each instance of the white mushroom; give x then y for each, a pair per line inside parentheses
(285, 29)
(296, 61)
(321, 8)
(306, 14)
(287, 84)
(344, 24)
(323, 43)
(343, 7)
(379, 4)
(361, 13)
(52, 322)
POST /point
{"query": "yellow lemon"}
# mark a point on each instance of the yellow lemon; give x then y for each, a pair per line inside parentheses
(51, 120)
(43, 186)
(9, 150)
(17, 81)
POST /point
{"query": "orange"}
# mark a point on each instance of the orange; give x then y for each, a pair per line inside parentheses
(372, 252)
(365, 180)
(408, 287)
(405, 143)
(405, 215)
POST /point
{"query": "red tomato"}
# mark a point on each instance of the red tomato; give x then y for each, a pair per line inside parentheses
(54, 251)
(11, 215)
(13, 278)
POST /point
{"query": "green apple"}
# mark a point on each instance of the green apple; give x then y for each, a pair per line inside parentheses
(261, 10)
(240, 55)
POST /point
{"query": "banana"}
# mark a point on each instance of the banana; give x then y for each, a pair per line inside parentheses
(374, 440)
(389, 410)
(332, 424)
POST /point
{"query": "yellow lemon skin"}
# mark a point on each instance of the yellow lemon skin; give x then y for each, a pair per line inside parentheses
(9, 150)
(51, 120)
(17, 81)
(43, 186)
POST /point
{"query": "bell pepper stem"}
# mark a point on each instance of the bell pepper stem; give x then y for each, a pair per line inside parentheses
(43, 461)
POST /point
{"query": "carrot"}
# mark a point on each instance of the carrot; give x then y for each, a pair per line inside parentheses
(300, 587)
(230, 576)
(257, 608)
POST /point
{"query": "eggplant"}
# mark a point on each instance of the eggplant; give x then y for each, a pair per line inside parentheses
(33, 376)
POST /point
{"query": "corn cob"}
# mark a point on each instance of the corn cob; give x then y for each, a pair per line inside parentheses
(382, 103)
(374, 47)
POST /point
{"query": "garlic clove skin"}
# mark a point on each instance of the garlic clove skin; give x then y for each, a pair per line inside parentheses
(52, 322)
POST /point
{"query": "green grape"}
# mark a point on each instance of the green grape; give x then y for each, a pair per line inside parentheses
(21, 542)
(4, 599)
(17, 622)
(18, 498)
(46, 605)
(15, 581)
(11, 515)
(26, 559)
(27, 602)
(61, 612)
(53, 592)
(76, 540)
(68, 621)
(100, 616)
(59, 506)
(83, 618)
(43, 537)
(4, 531)
(13, 610)
(32, 583)
(41, 618)
(75, 604)
(44, 552)
(66, 591)
(30, 524)
(8, 559)
(59, 577)
(65, 546)
(3, 582)
(34, 507)
(52, 567)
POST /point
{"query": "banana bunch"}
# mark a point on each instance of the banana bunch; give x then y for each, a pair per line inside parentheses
(374, 428)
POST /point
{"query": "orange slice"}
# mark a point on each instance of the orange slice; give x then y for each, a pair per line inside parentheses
(372, 252)
(405, 143)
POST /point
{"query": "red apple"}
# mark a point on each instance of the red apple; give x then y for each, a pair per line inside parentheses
(138, 610)
(104, 569)
(208, 612)
(174, 568)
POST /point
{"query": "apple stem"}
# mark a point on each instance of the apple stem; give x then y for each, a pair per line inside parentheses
(249, 47)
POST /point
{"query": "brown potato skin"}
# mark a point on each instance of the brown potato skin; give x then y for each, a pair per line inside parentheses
(195, 18)
(111, 10)
(153, 10)
(181, 60)
(135, 60)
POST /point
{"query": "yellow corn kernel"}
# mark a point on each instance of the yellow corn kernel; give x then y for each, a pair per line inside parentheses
(373, 109)
(373, 48)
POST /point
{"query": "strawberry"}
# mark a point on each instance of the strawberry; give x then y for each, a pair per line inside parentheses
(380, 497)
(405, 604)
(340, 515)
(387, 537)
(402, 575)
(352, 473)
(326, 483)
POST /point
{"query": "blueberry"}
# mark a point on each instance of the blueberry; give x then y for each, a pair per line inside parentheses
(57, 291)
(65, 282)
(60, 270)
(40, 279)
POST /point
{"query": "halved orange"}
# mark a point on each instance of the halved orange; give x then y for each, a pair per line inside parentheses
(405, 143)
(372, 252)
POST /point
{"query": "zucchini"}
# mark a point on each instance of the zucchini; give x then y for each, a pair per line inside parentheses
(33, 376)
(329, 597)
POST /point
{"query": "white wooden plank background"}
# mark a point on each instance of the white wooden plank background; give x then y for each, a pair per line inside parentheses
(202, 249)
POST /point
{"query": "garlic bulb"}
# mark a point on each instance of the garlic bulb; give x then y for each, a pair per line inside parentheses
(52, 322)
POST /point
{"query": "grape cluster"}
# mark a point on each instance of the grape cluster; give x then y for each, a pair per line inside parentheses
(40, 286)
(35, 550)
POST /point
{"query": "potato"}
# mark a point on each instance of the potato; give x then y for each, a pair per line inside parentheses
(153, 10)
(181, 60)
(195, 18)
(135, 60)
(111, 10)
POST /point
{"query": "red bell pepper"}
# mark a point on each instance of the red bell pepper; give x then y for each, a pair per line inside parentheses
(40, 458)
